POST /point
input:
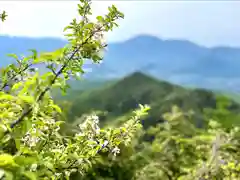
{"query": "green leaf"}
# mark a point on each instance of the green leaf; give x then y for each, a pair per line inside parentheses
(4, 96)
(57, 108)
(30, 175)
(3, 16)
(47, 75)
(45, 57)
(3, 129)
(89, 25)
(67, 27)
(96, 58)
(6, 159)
(17, 142)
(24, 160)
(58, 123)
(8, 175)
(13, 56)
(35, 54)
(27, 124)
(17, 85)
(27, 99)
(100, 18)
(49, 165)
(58, 53)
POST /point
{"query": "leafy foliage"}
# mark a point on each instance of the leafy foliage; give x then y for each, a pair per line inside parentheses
(31, 145)
(178, 151)
(3, 16)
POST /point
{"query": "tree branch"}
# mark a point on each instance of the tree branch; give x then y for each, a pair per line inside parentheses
(14, 76)
(27, 112)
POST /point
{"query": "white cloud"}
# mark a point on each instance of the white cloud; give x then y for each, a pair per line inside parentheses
(207, 23)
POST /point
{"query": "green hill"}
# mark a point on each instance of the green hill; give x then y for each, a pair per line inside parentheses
(232, 95)
(119, 98)
(77, 87)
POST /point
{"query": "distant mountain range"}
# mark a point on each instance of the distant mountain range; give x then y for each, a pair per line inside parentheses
(177, 61)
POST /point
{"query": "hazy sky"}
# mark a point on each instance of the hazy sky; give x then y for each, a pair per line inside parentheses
(207, 23)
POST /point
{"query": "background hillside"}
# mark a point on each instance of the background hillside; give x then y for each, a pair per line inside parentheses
(117, 99)
(177, 61)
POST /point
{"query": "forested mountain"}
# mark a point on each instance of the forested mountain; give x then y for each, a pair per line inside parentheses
(115, 100)
(177, 61)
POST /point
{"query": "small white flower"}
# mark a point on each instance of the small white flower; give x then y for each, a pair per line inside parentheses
(97, 130)
(3, 127)
(51, 121)
(1, 174)
(57, 129)
(78, 74)
(115, 151)
(57, 175)
(236, 129)
(30, 141)
(33, 167)
(45, 128)
(105, 143)
(79, 134)
(79, 161)
(34, 130)
(67, 173)
(56, 150)
(33, 141)
(95, 119)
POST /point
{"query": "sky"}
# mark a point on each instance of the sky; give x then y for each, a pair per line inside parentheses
(208, 23)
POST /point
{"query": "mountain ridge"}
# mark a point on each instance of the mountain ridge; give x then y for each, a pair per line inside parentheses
(177, 61)
(123, 96)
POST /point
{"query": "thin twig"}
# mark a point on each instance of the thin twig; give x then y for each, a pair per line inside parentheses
(14, 76)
